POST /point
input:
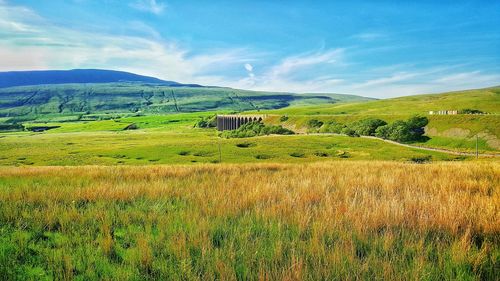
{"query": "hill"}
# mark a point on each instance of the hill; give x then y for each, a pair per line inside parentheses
(44, 77)
(457, 132)
(33, 102)
(486, 100)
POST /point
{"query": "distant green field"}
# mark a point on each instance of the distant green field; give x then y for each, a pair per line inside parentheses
(456, 132)
(172, 139)
(174, 133)
(486, 100)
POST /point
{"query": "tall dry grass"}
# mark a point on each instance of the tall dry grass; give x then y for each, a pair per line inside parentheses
(337, 220)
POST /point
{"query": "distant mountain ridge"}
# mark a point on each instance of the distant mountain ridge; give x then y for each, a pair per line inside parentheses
(30, 95)
(77, 76)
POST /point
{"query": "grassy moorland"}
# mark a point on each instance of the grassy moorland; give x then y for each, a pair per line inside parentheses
(171, 139)
(455, 132)
(74, 101)
(324, 221)
(485, 100)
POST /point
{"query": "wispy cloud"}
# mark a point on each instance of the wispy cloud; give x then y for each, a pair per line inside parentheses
(368, 36)
(151, 6)
(295, 63)
(41, 45)
(28, 41)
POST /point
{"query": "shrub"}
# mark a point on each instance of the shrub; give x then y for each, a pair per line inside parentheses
(11, 127)
(314, 124)
(382, 132)
(297, 154)
(367, 127)
(421, 159)
(332, 127)
(343, 154)
(132, 126)
(470, 111)
(207, 122)
(245, 144)
(348, 131)
(283, 118)
(262, 156)
(403, 131)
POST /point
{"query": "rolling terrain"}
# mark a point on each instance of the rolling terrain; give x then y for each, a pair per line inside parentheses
(71, 95)
(120, 183)
(456, 132)
(486, 100)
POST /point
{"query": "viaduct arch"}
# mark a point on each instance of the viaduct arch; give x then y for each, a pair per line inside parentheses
(233, 122)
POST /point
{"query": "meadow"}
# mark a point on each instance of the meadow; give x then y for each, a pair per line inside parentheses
(134, 195)
(333, 220)
(171, 139)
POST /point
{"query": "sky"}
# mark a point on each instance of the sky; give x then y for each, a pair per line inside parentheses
(377, 49)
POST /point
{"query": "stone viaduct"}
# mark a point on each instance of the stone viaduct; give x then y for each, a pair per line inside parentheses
(233, 122)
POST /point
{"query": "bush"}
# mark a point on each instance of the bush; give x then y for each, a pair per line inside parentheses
(262, 156)
(403, 131)
(421, 159)
(314, 124)
(283, 118)
(253, 129)
(321, 154)
(207, 122)
(297, 154)
(382, 132)
(11, 127)
(367, 127)
(343, 154)
(470, 111)
(245, 145)
(332, 127)
(350, 132)
(132, 126)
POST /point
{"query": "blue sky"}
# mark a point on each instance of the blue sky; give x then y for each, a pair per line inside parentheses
(371, 48)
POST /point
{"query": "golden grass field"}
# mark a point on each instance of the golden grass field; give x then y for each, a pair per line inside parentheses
(319, 221)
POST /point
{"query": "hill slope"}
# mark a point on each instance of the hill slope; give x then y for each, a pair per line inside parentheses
(487, 100)
(446, 131)
(24, 78)
(32, 102)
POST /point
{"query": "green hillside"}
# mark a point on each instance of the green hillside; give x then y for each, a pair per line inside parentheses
(486, 100)
(43, 101)
(457, 132)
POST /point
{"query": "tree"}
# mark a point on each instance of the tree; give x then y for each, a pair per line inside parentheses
(314, 123)
(416, 126)
(350, 132)
(367, 127)
(332, 127)
(383, 132)
(403, 131)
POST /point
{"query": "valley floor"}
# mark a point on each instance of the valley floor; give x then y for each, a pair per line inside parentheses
(171, 139)
(340, 220)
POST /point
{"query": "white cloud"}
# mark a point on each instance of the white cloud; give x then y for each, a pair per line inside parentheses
(294, 63)
(368, 36)
(150, 6)
(248, 67)
(41, 45)
(28, 41)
